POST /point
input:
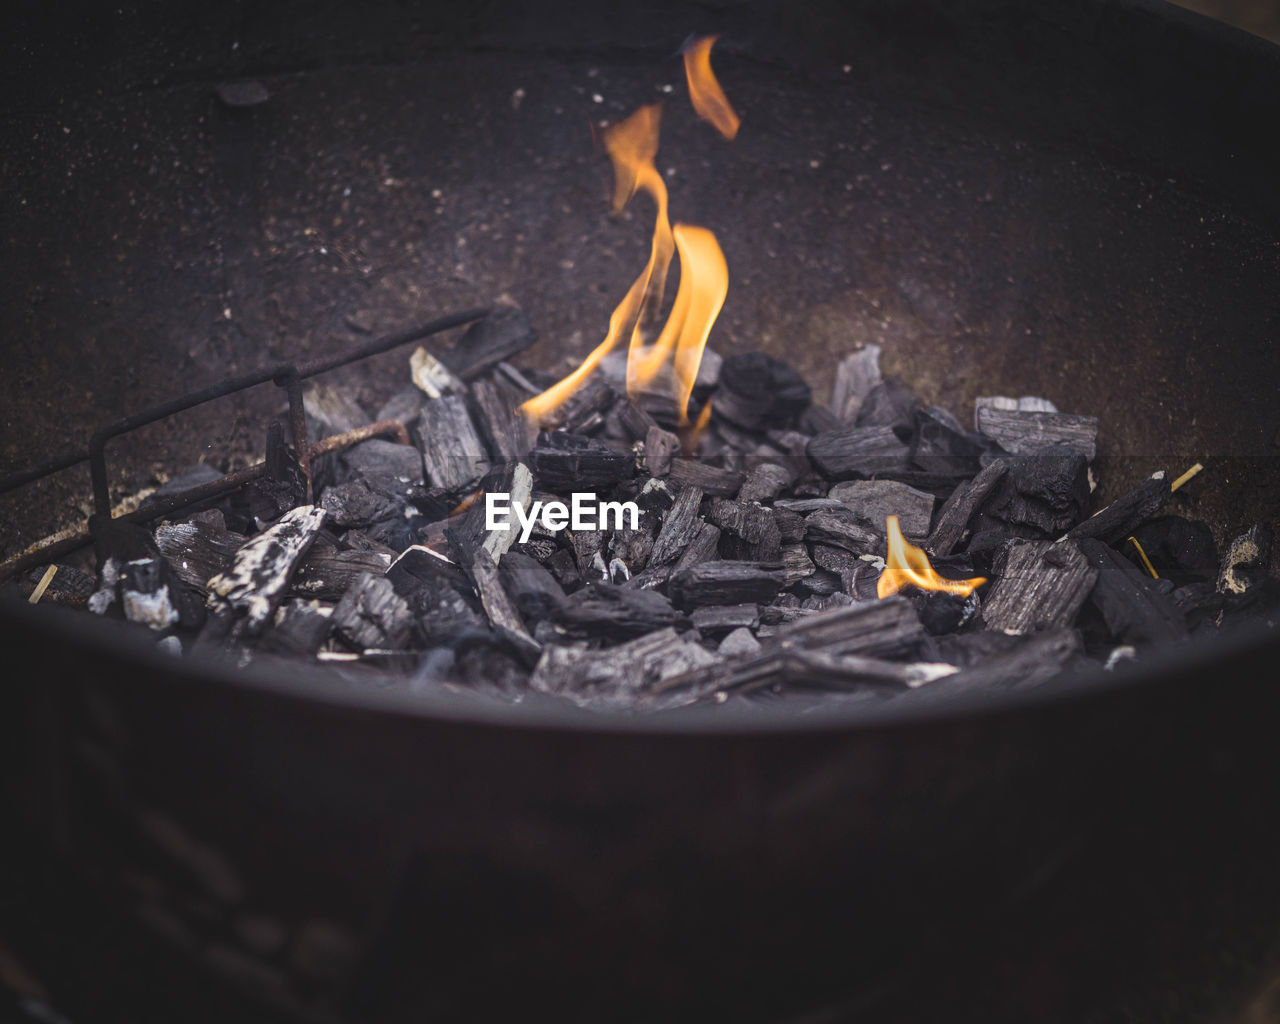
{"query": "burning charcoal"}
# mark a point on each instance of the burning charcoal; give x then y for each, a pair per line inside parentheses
(432, 377)
(725, 582)
(691, 472)
(1119, 519)
(583, 411)
(251, 589)
(508, 434)
(860, 451)
(842, 529)
(299, 628)
(889, 404)
(881, 629)
(679, 526)
(502, 334)
(454, 456)
(873, 501)
(941, 612)
(1182, 550)
(717, 620)
(1247, 562)
(952, 525)
(941, 446)
(660, 446)
(856, 375)
(796, 564)
(764, 482)
(1041, 495)
(747, 530)
(603, 611)
(372, 615)
(499, 606)
(739, 643)
(634, 423)
(359, 503)
(1039, 585)
(1028, 433)
(568, 462)
(531, 586)
(757, 391)
(328, 573)
(1034, 660)
(198, 547)
(1133, 609)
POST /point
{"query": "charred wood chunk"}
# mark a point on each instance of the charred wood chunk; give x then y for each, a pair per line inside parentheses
(531, 586)
(1182, 550)
(418, 564)
(790, 525)
(702, 548)
(331, 410)
(660, 447)
(856, 375)
(739, 643)
(889, 404)
(725, 582)
(757, 391)
(68, 585)
(562, 565)
(569, 462)
(454, 456)
(694, 472)
(388, 468)
(803, 506)
(859, 451)
(941, 612)
(508, 434)
(1247, 562)
(604, 611)
(1027, 433)
(1134, 610)
(282, 487)
(848, 567)
(327, 573)
(358, 503)
(299, 628)
(843, 529)
(251, 589)
(1041, 495)
(1119, 519)
(583, 411)
(151, 595)
(403, 406)
(588, 551)
(633, 547)
(747, 530)
(199, 547)
(1031, 661)
(765, 481)
(941, 446)
(951, 528)
(882, 629)
(679, 527)
(617, 676)
(372, 615)
(635, 422)
(1040, 585)
(443, 611)
(468, 530)
(819, 584)
(873, 501)
(502, 334)
(498, 605)
(717, 620)
(796, 563)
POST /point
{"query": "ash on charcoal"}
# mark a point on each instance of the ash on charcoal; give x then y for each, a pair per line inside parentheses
(432, 377)
(1029, 433)
(327, 572)
(873, 501)
(372, 615)
(1247, 562)
(856, 375)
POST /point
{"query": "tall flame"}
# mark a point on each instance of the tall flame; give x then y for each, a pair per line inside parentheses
(705, 93)
(908, 565)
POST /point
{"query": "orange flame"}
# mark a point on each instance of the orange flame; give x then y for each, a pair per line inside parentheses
(632, 145)
(908, 565)
(705, 93)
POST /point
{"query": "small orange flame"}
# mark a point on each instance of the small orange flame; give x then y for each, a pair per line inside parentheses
(693, 435)
(705, 93)
(908, 565)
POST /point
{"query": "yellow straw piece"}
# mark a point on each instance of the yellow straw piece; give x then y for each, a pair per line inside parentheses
(1186, 476)
(1142, 557)
(43, 585)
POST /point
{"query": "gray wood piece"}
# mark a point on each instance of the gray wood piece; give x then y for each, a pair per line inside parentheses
(725, 582)
(879, 629)
(199, 547)
(371, 615)
(507, 433)
(660, 447)
(765, 482)
(497, 604)
(796, 563)
(750, 525)
(251, 589)
(844, 530)
(680, 526)
(1039, 585)
(1119, 519)
(695, 472)
(452, 451)
(852, 451)
(717, 620)
(952, 525)
(856, 375)
(1025, 433)
(326, 573)
(873, 501)
(615, 677)
(1034, 661)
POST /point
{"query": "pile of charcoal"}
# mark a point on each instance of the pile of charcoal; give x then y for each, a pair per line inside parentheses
(750, 566)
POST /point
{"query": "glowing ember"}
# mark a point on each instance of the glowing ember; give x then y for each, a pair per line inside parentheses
(705, 93)
(908, 565)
